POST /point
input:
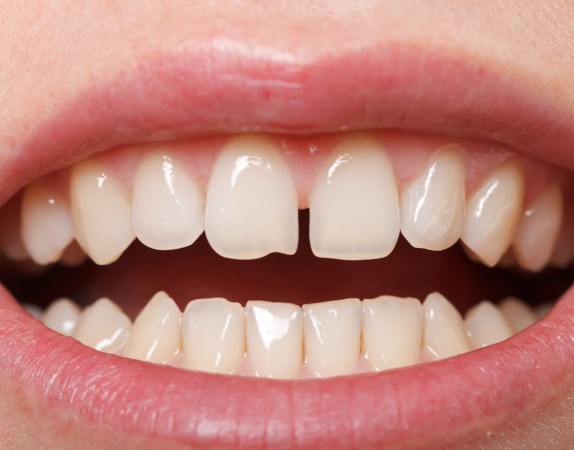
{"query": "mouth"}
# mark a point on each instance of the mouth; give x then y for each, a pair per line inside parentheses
(318, 229)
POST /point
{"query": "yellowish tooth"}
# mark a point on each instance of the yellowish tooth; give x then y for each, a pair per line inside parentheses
(518, 314)
(101, 212)
(155, 335)
(354, 203)
(62, 316)
(563, 253)
(493, 212)
(486, 325)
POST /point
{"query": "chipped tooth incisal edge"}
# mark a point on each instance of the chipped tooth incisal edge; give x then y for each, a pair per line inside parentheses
(101, 212)
(354, 204)
(252, 204)
(62, 316)
(167, 206)
(486, 325)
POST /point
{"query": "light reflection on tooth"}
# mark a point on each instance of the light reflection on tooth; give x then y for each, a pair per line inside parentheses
(62, 316)
(486, 325)
(518, 314)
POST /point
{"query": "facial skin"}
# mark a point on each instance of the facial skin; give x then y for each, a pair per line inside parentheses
(54, 51)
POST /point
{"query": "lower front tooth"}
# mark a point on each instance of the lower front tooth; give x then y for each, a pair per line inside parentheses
(62, 316)
(486, 325)
(518, 313)
(332, 335)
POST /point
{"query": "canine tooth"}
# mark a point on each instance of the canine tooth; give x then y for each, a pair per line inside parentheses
(444, 332)
(538, 230)
(251, 205)
(155, 335)
(392, 331)
(486, 325)
(101, 212)
(167, 206)
(332, 336)
(103, 326)
(213, 335)
(46, 224)
(62, 316)
(492, 213)
(354, 203)
(432, 205)
(518, 314)
(274, 333)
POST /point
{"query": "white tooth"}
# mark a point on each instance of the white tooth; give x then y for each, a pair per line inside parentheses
(155, 335)
(518, 314)
(492, 213)
(332, 335)
(354, 203)
(274, 334)
(538, 230)
(432, 205)
(444, 332)
(103, 326)
(486, 325)
(563, 253)
(62, 316)
(251, 205)
(10, 236)
(46, 224)
(167, 207)
(101, 212)
(213, 335)
(392, 331)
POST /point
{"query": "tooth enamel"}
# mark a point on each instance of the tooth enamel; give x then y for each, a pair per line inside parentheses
(155, 335)
(101, 212)
(62, 316)
(563, 253)
(10, 236)
(46, 224)
(486, 325)
(538, 230)
(432, 205)
(354, 207)
(251, 205)
(213, 335)
(167, 207)
(274, 334)
(492, 213)
(332, 336)
(518, 314)
(103, 326)
(392, 331)
(444, 332)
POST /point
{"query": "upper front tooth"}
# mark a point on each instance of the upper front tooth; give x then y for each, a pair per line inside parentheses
(62, 316)
(432, 205)
(486, 325)
(251, 206)
(563, 252)
(101, 212)
(167, 207)
(354, 206)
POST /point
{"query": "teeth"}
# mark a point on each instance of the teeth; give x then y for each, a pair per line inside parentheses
(46, 224)
(432, 205)
(392, 331)
(563, 253)
(167, 207)
(274, 335)
(354, 207)
(518, 314)
(332, 336)
(62, 316)
(103, 326)
(538, 230)
(10, 236)
(492, 213)
(155, 334)
(486, 325)
(444, 332)
(101, 212)
(251, 206)
(213, 335)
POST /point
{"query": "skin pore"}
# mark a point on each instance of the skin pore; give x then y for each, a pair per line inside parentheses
(55, 52)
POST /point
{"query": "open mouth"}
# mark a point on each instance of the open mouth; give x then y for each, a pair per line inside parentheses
(371, 272)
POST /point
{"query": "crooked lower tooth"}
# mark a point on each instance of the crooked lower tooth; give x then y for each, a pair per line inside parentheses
(213, 335)
(167, 206)
(354, 206)
(252, 204)
(155, 335)
(486, 325)
(332, 335)
(101, 212)
(103, 326)
(62, 316)
(432, 205)
(392, 331)
(518, 314)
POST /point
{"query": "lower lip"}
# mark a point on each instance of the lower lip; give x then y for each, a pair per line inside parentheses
(425, 403)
